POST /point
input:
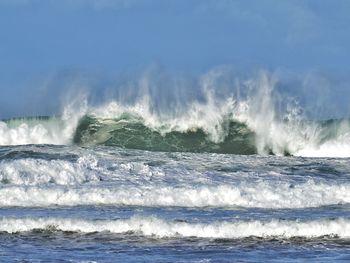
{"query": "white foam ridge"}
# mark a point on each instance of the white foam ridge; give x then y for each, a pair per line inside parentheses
(54, 130)
(38, 171)
(261, 195)
(155, 227)
(26, 132)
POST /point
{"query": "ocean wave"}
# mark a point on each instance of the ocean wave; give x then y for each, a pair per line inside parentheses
(132, 132)
(29, 171)
(261, 195)
(159, 228)
(250, 124)
(33, 131)
(320, 139)
(58, 130)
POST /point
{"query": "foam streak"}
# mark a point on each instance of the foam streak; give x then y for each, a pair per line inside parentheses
(155, 227)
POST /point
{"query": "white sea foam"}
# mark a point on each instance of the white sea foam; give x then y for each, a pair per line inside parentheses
(38, 171)
(45, 132)
(155, 227)
(263, 195)
(337, 147)
(55, 130)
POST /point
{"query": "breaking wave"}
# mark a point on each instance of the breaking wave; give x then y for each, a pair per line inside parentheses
(132, 132)
(250, 124)
(155, 227)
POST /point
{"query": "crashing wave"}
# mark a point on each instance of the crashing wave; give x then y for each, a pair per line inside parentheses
(221, 124)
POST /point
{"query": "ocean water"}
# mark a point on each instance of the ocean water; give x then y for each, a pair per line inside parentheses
(103, 204)
(220, 180)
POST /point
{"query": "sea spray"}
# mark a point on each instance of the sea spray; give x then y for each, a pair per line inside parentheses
(57, 130)
(251, 117)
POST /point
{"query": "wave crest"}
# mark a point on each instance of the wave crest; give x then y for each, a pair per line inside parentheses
(131, 132)
(159, 228)
(259, 121)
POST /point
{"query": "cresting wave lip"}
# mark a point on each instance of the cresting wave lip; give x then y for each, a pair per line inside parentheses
(132, 132)
(327, 138)
(251, 116)
(225, 135)
(261, 195)
(156, 227)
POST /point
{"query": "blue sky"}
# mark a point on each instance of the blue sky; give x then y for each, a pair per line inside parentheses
(40, 39)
